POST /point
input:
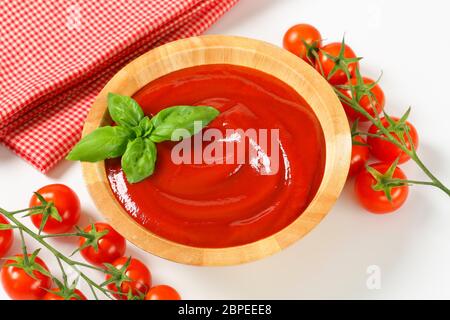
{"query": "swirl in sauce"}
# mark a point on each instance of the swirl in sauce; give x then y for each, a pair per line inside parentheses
(223, 205)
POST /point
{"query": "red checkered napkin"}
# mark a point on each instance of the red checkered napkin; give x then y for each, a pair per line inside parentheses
(55, 56)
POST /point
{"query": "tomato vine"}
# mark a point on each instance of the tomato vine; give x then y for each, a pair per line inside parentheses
(67, 290)
(359, 89)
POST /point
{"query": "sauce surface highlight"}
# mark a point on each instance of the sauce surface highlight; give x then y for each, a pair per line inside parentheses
(222, 205)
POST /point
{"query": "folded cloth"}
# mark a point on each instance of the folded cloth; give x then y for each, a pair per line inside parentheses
(55, 56)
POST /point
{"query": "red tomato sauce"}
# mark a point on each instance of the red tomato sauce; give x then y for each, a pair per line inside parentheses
(223, 205)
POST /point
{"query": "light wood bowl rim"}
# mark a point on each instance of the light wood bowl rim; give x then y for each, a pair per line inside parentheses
(239, 51)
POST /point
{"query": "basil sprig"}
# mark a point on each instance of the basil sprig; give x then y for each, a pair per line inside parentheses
(135, 136)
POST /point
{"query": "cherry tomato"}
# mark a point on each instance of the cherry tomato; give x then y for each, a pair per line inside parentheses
(295, 38)
(141, 279)
(21, 286)
(371, 103)
(67, 203)
(6, 238)
(376, 201)
(111, 246)
(326, 64)
(162, 292)
(385, 150)
(360, 155)
(53, 294)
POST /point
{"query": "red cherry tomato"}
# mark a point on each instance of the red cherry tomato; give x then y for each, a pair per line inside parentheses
(21, 286)
(376, 201)
(141, 279)
(162, 292)
(6, 238)
(326, 64)
(360, 155)
(295, 38)
(67, 203)
(385, 150)
(53, 294)
(371, 104)
(111, 246)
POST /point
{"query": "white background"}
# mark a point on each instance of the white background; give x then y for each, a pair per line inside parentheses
(408, 41)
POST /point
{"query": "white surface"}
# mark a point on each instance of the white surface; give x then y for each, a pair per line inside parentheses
(406, 40)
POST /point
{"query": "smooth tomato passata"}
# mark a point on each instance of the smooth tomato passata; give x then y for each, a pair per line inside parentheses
(359, 157)
(19, 285)
(65, 201)
(334, 55)
(297, 36)
(385, 150)
(56, 294)
(6, 238)
(139, 275)
(106, 244)
(369, 94)
(162, 292)
(377, 201)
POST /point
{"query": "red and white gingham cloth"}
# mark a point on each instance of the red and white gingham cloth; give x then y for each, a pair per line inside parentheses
(55, 56)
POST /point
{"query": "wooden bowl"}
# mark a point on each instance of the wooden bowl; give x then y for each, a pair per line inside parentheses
(216, 49)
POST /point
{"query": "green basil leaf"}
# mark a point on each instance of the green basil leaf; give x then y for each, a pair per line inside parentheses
(146, 126)
(124, 110)
(138, 161)
(170, 119)
(103, 143)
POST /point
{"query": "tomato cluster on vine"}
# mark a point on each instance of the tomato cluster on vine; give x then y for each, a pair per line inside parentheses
(54, 210)
(381, 187)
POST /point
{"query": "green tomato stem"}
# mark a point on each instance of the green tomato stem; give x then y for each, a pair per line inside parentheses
(57, 235)
(406, 182)
(27, 210)
(23, 247)
(436, 182)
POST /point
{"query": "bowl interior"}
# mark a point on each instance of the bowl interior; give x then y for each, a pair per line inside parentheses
(243, 52)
